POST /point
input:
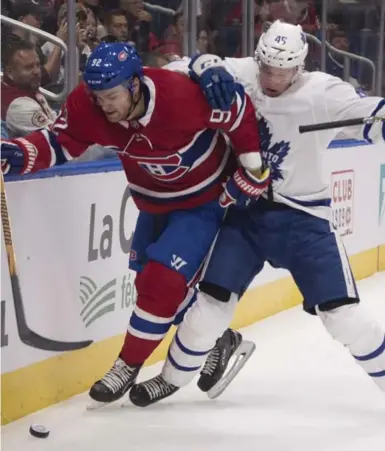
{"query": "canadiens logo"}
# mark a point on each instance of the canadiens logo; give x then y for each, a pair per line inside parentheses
(171, 167)
(273, 154)
(122, 56)
(39, 119)
(165, 169)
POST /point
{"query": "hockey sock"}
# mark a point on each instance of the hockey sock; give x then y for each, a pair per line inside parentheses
(160, 292)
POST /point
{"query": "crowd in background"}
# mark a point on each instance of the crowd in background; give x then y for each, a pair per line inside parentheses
(28, 63)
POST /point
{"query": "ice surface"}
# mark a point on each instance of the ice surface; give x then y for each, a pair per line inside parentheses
(300, 391)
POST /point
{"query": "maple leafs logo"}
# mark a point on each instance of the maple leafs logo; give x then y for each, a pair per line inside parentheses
(273, 155)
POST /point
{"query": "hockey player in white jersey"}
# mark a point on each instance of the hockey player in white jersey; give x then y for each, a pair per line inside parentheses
(290, 227)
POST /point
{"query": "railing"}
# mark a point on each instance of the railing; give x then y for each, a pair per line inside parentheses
(190, 35)
(56, 97)
(248, 14)
(347, 57)
(159, 9)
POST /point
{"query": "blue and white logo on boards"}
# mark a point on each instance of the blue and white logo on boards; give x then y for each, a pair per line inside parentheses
(381, 210)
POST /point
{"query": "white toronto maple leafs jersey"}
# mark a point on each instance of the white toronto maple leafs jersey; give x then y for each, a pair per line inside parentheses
(296, 160)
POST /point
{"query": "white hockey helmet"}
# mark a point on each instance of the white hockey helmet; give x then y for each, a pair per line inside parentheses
(283, 45)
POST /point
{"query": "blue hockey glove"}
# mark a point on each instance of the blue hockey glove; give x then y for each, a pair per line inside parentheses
(12, 158)
(214, 80)
(243, 187)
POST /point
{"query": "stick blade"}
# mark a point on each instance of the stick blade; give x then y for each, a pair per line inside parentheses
(30, 338)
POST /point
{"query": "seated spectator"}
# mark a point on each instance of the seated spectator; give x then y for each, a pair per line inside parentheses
(335, 62)
(98, 8)
(32, 14)
(116, 26)
(203, 42)
(23, 108)
(174, 33)
(154, 59)
(82, 35)
(92, 30)
(139, 25)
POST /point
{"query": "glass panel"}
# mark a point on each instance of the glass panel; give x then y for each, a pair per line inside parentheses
(303, 12)
(354, 27)
(167, 27)
(222, 22)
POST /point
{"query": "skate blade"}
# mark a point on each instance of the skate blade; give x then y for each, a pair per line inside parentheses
(242, 354)
(127, 403)
(97, 405)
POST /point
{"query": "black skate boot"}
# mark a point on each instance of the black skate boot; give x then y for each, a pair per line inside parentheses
(116, 382)
(218, 359)
(151, 391)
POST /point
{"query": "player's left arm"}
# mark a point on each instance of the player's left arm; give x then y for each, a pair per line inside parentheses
(343, 102)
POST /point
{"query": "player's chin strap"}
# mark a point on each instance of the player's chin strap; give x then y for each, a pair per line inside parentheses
(134, 103)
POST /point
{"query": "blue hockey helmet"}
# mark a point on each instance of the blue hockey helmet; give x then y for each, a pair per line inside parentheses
(112, 64)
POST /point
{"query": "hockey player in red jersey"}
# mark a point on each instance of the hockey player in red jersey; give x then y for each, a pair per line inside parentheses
(176, 160)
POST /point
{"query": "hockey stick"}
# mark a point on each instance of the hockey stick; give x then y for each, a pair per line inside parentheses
(27, 336)
(338, 124)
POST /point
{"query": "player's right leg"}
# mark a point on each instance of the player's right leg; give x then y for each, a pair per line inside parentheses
(121, 376)
(232, 263)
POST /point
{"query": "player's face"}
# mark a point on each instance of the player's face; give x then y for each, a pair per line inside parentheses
(115, 102)
(274, 80)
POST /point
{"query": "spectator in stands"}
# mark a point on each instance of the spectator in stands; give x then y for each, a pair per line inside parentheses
(135, 8)
(82, 40)
(139, 25)
(91, 26)
(222, 19)
(203, 42)
(23, 108)
(32, 14)
(155, 59)
(116, 26)
(98, 8)
(335, 62)
(174, 33)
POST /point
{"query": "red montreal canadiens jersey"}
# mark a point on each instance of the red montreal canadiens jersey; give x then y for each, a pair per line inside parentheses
(175, 156)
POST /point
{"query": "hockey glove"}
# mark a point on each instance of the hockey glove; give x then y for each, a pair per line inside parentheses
(216, 83)
(12, 158)
(243, 187)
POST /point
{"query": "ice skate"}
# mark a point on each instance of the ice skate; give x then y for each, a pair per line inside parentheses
(213, 379)
(151, 391)
(116, 382)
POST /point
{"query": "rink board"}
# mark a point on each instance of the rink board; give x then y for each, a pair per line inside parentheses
(84, 244)
(381, 258)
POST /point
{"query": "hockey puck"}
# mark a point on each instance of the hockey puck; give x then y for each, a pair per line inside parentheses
(38, 430)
